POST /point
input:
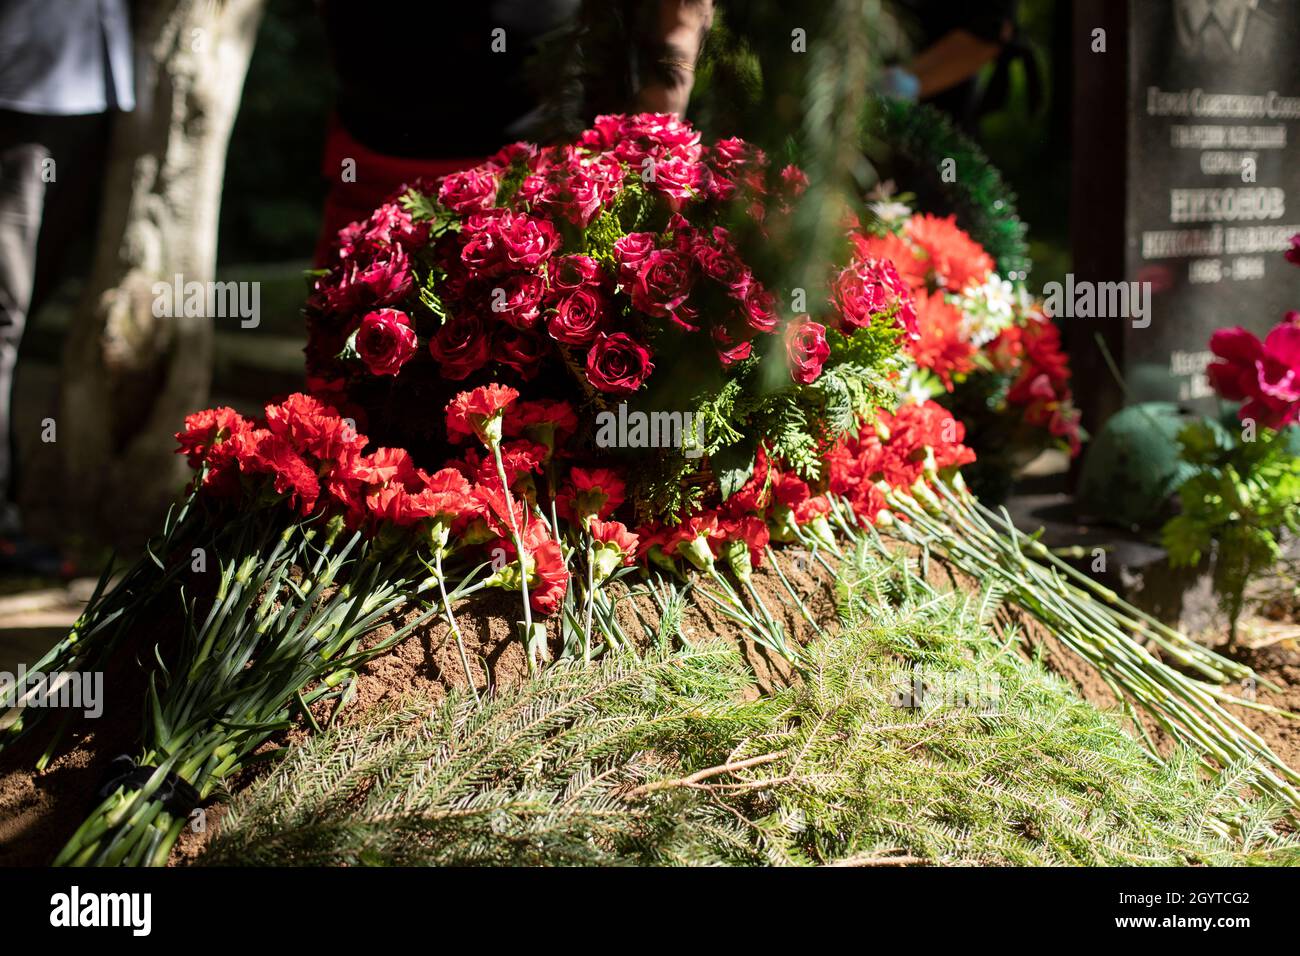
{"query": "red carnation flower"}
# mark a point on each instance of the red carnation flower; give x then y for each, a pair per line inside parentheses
(590, 492)
(478, 413)
(205, 430)
(552, 423)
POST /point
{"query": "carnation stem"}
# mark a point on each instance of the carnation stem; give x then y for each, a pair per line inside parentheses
(455, 628)
(590, 601)
(519, 550)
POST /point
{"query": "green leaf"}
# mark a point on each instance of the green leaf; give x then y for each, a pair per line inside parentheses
(733, 465)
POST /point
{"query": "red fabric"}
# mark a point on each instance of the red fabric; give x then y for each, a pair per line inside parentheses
(377, 177)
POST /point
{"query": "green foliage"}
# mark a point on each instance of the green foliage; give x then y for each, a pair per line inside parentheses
(674, 760)
(920, 137)
(1243, 491)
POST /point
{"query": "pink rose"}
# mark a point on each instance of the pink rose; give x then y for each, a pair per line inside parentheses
(519, 302)
(385, 340)
(473, 190)
(630, 251)
(617, 363)
(528, 241)
(805, 346)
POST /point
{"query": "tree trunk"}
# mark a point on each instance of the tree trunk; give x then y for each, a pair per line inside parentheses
(129, 377)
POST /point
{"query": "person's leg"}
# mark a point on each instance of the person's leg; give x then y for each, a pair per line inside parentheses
(22, 194)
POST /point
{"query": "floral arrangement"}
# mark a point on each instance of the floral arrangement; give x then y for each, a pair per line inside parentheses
(984, 348)
(1243, 489)
(516, 491)
(636, 267)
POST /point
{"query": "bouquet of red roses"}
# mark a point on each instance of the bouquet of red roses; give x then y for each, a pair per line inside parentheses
(635, 270)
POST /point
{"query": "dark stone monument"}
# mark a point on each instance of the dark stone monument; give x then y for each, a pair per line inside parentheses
(1187, 177)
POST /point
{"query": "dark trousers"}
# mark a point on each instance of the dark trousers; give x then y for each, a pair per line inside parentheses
(51, 176)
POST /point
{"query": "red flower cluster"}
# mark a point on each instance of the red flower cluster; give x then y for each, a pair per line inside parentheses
(1032, 353)
(895, 452)
(525, 260)
(942, 345)
(932, 253)
(312, 458)
(308, 457)
(1263, 376)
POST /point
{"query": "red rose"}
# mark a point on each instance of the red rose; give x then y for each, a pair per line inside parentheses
(578, 317)
(473, 190)
(680, 176)
(461, 346)
(618, 363)
(385, 279)
(521, 350)
(730, 152)
(870, 287)
(385, 341)
(758, 308)
(520, 300)
(719, 263)
(483, 249)
(662, 282)
(572, 272)
(805, 345)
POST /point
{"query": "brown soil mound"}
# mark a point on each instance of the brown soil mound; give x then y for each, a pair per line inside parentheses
(39, 811)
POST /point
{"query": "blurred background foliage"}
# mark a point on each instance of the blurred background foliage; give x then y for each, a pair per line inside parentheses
(273, 191)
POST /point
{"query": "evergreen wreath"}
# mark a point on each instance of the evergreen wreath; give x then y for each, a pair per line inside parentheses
(917, 138)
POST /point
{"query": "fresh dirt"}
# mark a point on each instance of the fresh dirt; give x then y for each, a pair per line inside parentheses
(40, 811)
